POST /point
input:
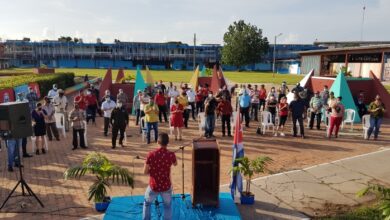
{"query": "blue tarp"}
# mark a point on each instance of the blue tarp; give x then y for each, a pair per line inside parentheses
(130, 207)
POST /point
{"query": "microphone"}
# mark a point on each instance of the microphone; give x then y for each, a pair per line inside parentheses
(139, 157)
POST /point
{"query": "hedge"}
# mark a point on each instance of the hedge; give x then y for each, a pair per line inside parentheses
(45, 81)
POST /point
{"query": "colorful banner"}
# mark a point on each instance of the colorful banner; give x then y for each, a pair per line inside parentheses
(120, 77)
(35, 87)
(7, 95)
(21, 89)
(194, 79)
(149, 79)
(139, 84)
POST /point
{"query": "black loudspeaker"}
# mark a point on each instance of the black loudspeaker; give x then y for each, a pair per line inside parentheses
(205, 172)
(15, 120)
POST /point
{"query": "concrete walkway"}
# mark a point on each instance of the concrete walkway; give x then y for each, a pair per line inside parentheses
(309, 192)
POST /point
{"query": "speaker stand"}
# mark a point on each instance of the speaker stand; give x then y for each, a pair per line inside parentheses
(23, 184)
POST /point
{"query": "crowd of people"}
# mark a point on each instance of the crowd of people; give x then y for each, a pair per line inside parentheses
(167, 104)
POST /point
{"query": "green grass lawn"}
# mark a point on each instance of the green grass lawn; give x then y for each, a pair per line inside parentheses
(387, 87)
(175, 76)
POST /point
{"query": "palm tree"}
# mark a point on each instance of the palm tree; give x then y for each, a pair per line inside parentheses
(105, 172)
(250, 167)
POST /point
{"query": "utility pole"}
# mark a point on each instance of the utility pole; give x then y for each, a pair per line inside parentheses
(274, 58)
(363, 17)
(193, 58)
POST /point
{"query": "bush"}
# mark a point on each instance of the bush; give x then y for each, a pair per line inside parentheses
(45, 82)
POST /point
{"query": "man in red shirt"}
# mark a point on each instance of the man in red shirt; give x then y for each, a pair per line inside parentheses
(225, 110)
(262, 97)
(158, 166)
(160, 100)
(80, 100)
(92, 104)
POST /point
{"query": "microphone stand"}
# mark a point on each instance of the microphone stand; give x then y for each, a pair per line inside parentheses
(183, 196)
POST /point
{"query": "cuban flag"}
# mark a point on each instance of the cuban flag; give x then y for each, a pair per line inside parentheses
(238, 152)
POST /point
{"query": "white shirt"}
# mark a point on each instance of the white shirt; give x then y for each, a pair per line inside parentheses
(60, 103)
(173, 94)
(107, 107)
(52, 93)
(144, 99)
(191, 95)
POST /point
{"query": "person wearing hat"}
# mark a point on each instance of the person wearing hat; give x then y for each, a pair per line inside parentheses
(137, 106)
(50, 121)
(107, 106)
(377, 110)
(32, 98)
(60, 103)
(119, 120)
(53, 92)
(316, 105)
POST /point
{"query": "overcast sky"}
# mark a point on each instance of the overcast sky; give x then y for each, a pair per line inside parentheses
(300, 21)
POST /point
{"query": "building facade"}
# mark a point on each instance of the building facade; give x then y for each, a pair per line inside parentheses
(128, 55)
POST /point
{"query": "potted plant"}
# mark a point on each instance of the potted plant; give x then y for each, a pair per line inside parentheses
(248, 168)
(106, 173)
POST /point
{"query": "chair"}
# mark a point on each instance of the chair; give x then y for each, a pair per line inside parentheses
(201, 122)
(350, 117)
(60, 122)
(266, 121)
(171, 128)
(308, 115)
(366, 125)
(143, 128)
(85, 133)
(33, 146)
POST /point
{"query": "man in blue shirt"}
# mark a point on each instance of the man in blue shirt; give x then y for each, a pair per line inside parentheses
(245, 102)
(297, 108)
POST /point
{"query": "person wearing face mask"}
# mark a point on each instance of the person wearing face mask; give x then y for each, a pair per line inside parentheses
(38, 122)
(255, 104)
(191, 101)
(262, 97)
(184, 102)
(199, 100)
(50, 121)
(360, 105)
(167, 92)
(272, 93)
(283, 90)
(107, 106)
(80, 100)
(271, 107)
(53, 92)
(119, 120)
(336, 117)
(177, 121)
(151, 120)
(331, 101)
(32, 98)
(173, 94)
(137, 106)
(245, 103)
(210, 107)
(377, 110)
(297, 108)
(60, 103)
(122, 97)
(77, 117)
(325, 96)
(159, 99)
(316, 110)
(92, 105)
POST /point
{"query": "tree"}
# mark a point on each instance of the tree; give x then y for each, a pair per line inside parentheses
(243, 44)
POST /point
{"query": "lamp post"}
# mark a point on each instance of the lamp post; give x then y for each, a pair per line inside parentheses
(274, 59)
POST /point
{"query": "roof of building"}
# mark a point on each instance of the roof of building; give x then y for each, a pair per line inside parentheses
(382, 47)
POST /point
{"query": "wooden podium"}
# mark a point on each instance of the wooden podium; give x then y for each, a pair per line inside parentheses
(205, 172)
